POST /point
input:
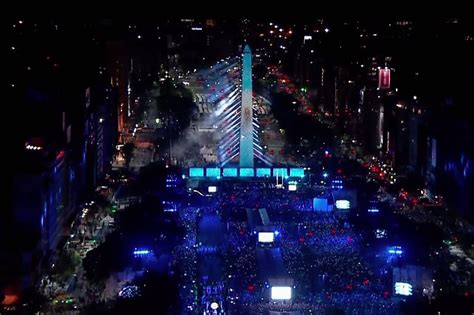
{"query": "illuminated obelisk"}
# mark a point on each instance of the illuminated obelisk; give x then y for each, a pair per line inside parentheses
(246, 125)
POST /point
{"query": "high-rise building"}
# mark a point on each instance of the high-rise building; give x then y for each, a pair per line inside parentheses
(41, 204)
(119, 68)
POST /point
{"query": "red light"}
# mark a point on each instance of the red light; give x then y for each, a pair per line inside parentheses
(60, 155)
(251, 288)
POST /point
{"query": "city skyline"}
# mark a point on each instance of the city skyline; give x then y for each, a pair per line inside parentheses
(238, 165)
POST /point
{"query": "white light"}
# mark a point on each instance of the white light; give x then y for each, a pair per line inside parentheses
(139, 36)
(343, 204)
(326, 30)
(214, 306)
(281, 293)
(266, 237)
(292, 187)
(414, 97)
(403, 288)
(212, 189)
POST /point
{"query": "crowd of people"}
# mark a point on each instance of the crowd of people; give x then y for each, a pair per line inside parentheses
(321, 253)
(241, 257)
(185, 258)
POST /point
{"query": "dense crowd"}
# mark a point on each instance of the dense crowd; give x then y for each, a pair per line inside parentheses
(185, 258)
(320, 251)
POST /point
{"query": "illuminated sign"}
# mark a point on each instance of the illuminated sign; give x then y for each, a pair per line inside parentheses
(380, 233)
(296, 172)
(211, 189)
(343, 204)
(141, 252)
(246, 172)
(403, 288)
(395, 250)
(280, 172)
(266, 237)
(320, 204)
(169, 206)
(229, 172)
(384, 78)
(213, 172)
(292, 187)
(281, 293)
(264, 172)
(196, 172)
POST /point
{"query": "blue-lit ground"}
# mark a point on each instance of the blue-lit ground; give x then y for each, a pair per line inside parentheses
(321, 252)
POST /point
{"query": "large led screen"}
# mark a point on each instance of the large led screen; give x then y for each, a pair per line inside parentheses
(196, 172)
(266, 237)
(281, 293)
